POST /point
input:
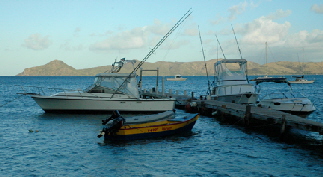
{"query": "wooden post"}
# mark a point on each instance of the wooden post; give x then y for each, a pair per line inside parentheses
(247, 115)
(283, 128)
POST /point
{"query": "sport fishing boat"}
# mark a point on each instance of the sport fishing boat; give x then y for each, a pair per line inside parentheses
(147, 126)
(233, 85)
(110, 91)
(107, 93)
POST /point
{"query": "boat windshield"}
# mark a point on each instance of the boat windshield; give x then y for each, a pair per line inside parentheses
(284, 95)
(110, 83)
(236, 73)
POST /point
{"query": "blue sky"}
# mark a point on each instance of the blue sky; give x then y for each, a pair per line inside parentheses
(90, 33)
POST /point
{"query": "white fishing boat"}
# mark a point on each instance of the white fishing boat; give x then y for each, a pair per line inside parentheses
(105, 95)
(290, 102)
(233, 85)
(300, 80)
(177, 77)
(110, 91)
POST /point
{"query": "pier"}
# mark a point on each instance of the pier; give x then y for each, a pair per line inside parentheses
(245, 115)
(249, 115)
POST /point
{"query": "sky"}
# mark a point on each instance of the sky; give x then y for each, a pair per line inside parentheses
(91, 33)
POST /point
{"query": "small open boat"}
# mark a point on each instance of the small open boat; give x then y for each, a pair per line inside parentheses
(136, 128)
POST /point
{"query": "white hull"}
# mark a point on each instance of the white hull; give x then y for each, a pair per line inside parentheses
(176, 79)
(300, 82)
(300, 105)
(248, 98)
(92, 104)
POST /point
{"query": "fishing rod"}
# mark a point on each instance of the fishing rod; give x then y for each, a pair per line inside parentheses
(220, 46)
(240, 51)
(180, 21)
(207, 73)
(236, 41)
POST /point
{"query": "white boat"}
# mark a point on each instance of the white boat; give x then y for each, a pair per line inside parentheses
(300, 80)
(233, 85)
(290, 102)
(176, 78)
(110, 91)
(105, 95)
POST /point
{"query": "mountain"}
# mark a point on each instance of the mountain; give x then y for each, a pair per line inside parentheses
(196, 68)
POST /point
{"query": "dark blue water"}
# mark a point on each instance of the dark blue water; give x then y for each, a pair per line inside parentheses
(37, 144)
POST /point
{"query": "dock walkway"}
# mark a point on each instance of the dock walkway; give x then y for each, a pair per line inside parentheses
(251, 114)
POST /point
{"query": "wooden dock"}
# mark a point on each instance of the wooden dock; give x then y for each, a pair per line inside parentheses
(255, 116)
(246, 115)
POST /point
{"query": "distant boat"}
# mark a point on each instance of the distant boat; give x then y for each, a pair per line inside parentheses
(270, 79)
(267, 78)
(177, 77)
(300, 80)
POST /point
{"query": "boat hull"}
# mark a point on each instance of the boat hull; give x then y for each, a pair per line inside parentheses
(153, 129)
(300, 82)
(176, 79)
(77, 104)
(271, 79)
(294, 106)
(246, 98)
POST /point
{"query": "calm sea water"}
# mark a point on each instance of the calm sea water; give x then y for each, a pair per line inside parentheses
(37, 144)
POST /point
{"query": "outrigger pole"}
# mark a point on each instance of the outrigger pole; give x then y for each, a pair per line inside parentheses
(207, 73)
(220, 46)
(236, 41)
(186, 15)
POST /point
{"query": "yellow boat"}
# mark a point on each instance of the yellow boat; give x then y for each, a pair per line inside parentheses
(152, 129)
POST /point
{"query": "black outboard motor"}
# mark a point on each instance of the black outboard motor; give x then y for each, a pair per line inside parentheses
(117, 123)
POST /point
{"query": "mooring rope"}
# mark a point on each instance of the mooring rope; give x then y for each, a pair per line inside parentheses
(11, 101)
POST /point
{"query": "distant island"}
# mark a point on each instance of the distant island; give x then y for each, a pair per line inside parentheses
(196, 68)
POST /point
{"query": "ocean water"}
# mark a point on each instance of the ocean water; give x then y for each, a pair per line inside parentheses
(34, 143)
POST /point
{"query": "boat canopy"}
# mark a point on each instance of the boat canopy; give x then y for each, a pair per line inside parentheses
(237, 75)
(114, 81)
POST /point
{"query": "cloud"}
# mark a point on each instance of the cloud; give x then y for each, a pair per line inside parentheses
(317, 8)
(263, 29)
(305, 38)
(37, 42)
(233, 12)
(136, 38)
(67, 46)
(239, 9)
(191, 32)
(132, 39)
(279, 14)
